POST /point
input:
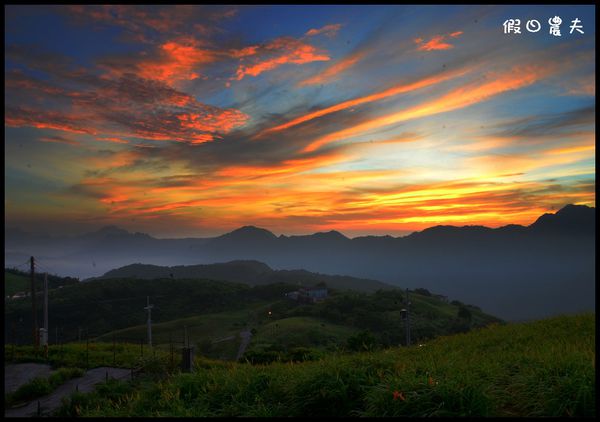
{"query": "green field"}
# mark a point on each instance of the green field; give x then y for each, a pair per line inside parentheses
(203, 331)
(542, 368)
(299, 332)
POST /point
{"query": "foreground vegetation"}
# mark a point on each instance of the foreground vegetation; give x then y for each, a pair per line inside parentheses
(543, 368)
(41, 386)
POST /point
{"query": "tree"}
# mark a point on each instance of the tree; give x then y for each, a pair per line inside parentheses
(423, 291)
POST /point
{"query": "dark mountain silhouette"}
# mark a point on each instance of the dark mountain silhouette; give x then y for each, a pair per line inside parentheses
(572, 219)
(247, 234)
(515, 272)
(247, 272)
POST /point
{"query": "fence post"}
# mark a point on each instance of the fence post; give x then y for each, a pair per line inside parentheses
(171, 346)
(14, 340)
(142, 347)
(114, 351)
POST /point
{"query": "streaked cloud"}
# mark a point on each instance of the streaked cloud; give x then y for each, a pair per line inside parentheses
(437, 42)
(329, 30)
(395, 90)
(334, 70)
(473, 93)
(285, 50)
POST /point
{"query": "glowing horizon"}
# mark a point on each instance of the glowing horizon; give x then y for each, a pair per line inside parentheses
(193, 121)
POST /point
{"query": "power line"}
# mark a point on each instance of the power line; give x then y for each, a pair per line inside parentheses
(23, 265)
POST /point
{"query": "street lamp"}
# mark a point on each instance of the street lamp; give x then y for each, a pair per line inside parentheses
(405, 316)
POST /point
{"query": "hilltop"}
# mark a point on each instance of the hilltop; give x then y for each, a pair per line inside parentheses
(247, 272)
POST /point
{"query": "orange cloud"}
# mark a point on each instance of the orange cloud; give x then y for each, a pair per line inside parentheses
(395, 90)
(223, 122)
(244, 52)
(334, 70)
(279, 52)
(45, 120)
(288, 166)
(494, 84)
(436, 42)
(329, 30)
(177, 61)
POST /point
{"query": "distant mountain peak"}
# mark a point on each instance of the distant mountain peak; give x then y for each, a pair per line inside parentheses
(249, 233)
(331, 234)
(571, 209)
(569, 219)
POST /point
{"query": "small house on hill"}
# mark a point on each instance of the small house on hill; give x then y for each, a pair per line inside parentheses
(309, 294)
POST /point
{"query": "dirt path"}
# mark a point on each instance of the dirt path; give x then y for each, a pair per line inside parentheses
(246, 336)
(18, 374)
(85, 384)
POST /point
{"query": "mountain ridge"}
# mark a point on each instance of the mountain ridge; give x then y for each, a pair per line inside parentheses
(512, 271)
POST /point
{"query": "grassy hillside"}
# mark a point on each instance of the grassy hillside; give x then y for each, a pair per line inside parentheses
(544, 368)
(204, 331)
(99, 307)
(294, 332)
(20, 281)
(14, 283)
(103, 306)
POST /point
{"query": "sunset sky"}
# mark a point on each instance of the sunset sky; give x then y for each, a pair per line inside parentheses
(191, 121)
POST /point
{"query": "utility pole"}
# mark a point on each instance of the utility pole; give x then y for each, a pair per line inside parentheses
(46, 301)
(44, 331)
(149, 309)
(407, 319)
(33, 307)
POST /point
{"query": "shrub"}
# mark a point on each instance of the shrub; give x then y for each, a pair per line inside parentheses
(363, 341)
(37, 387)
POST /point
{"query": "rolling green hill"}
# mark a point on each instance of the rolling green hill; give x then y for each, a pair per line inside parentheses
(14, 283)
(218, 309)
(542, 368)
(99, 307)
(294, 332)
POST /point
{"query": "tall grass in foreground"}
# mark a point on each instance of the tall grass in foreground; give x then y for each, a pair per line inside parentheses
(543, 368)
